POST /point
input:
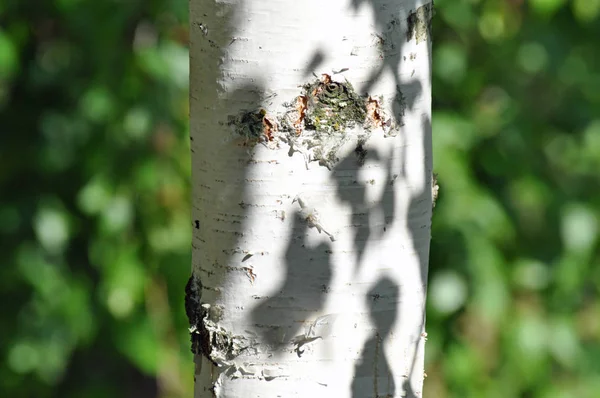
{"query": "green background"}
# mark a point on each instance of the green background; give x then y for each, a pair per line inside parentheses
(95, 194)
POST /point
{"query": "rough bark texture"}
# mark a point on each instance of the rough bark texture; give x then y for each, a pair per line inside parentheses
(312, 199)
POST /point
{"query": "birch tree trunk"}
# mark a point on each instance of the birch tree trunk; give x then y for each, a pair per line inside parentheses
(312, 197)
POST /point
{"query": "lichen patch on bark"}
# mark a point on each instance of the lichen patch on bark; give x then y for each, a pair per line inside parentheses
(253, 126)
(333, 106)
(419, 23)
(327, 115)
(317, 123)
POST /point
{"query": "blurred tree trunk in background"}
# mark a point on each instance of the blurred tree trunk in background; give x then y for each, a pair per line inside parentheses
(312, 197)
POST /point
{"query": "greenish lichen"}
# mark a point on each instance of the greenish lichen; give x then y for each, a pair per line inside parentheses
(419, 23)
(327, 115)
(250, 125)
(333, 106)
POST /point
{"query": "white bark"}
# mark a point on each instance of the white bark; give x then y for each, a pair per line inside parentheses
(311, 249)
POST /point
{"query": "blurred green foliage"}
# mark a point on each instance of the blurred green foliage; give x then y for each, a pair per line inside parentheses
(94, 217)
(95, 184)
(513, 307)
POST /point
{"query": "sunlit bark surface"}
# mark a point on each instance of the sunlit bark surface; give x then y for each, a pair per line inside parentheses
(311, 229)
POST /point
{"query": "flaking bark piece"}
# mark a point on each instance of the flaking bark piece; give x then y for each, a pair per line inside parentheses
(254, 126)
(374, 113)
(269, 128)
(301, 108)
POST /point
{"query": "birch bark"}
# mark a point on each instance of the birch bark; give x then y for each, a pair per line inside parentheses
(312, 198)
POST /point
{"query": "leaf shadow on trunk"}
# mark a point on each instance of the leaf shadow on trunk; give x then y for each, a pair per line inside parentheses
(218, 208)
(352, 191)
(222, 206)
(374, 364)
(296, 299)
(393, 19)
(308, 272)
(420, 233)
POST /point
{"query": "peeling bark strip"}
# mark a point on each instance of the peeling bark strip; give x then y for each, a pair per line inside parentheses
(218, 345)
(435, 188)
(208, 338)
